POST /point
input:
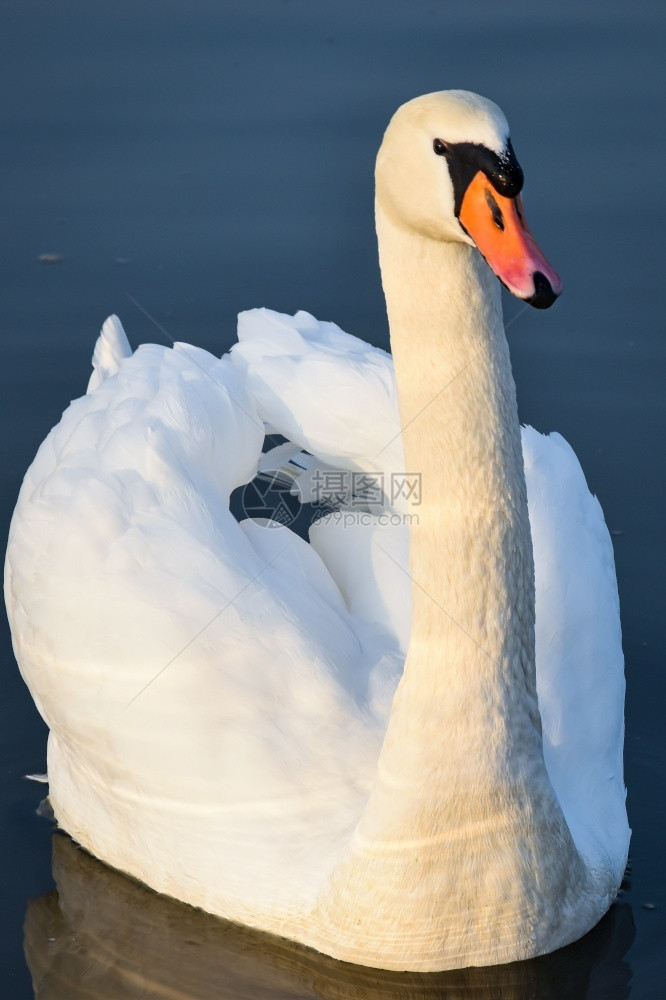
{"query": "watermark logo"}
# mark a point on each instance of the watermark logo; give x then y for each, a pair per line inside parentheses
(344, 488)
(277, 498)
(269, 499)
(354, 518)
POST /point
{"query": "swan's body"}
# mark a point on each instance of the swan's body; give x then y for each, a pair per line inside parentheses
(222, 697)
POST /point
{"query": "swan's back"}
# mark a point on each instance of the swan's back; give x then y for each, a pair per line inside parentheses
(217, 702)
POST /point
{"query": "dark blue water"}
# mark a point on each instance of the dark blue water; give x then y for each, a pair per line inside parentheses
(201, 159)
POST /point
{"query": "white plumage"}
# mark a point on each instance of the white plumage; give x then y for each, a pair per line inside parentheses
(218, 692)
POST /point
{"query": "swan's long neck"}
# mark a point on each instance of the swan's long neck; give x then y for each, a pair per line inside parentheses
(471, 658)
(462, 848)
(465, 718)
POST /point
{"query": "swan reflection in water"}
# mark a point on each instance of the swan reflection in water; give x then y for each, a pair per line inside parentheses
(102, 935)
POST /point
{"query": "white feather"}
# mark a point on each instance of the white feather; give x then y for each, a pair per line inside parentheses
(218, 693)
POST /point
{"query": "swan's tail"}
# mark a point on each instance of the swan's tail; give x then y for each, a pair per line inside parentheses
(111, 347)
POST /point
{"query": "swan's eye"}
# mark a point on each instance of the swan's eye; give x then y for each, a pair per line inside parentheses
(440, 147)
(496, 211)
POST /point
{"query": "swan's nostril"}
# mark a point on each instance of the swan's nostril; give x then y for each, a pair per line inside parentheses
(495, 210)
(544, 295)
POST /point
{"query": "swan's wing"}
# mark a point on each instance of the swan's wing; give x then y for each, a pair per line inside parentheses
(185, 657)
(323, 389)
(128, 496)
(580, 666)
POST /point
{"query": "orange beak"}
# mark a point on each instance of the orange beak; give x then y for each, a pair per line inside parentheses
(497, 226)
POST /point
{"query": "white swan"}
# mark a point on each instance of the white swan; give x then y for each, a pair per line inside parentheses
(221, 695)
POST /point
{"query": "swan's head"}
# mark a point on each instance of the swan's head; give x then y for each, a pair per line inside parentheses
(447, 169)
